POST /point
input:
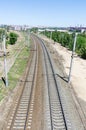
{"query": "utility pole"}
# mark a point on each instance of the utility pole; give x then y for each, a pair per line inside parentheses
(1, 42)
(72, 56)
(44, 32)
(51, 35)
(28, 35)
(5, 61)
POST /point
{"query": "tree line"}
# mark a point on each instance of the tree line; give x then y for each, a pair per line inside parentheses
(67, 40)
(11, 37)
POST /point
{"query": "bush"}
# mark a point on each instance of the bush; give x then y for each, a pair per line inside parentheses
(12, 38)
(83, 51)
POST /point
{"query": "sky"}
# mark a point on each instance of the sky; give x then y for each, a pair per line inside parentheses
(61, 13)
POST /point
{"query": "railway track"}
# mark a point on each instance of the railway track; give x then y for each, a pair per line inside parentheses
(37, 100)
(23, 106)
(55, 113)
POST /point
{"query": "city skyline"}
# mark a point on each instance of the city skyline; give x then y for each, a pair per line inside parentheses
(43, 13)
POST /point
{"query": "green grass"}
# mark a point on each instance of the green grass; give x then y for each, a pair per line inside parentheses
(18, 68)
(15, 72)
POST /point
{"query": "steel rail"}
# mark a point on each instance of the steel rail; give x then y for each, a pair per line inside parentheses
(31, 88)
(22, 93)
(45, 49)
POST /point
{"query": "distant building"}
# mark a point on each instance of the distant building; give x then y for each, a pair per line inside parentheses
(17, 28)
(78, 29)
(61, 30)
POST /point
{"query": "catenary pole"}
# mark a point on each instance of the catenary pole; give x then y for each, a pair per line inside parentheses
(51, 35)
(72, 56)
(5, 61)
(29, 37)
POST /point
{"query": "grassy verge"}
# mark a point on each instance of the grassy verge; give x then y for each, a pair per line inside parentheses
(18, 68)
(15, 72)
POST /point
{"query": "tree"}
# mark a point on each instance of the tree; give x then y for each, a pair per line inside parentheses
(12, 38)
(83, 51)
(35, 30)
(81, 46)
(67, 40)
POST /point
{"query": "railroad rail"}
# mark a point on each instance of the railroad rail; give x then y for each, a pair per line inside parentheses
(23, 115)
(23, 108)
(55, 111)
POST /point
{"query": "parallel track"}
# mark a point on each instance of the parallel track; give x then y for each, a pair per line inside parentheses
(57, 117)
(79, 107)
(19, 116)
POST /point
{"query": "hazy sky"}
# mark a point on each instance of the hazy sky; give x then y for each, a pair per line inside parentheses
(43, 12)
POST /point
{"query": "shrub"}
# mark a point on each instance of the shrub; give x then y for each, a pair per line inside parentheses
(12, 38)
